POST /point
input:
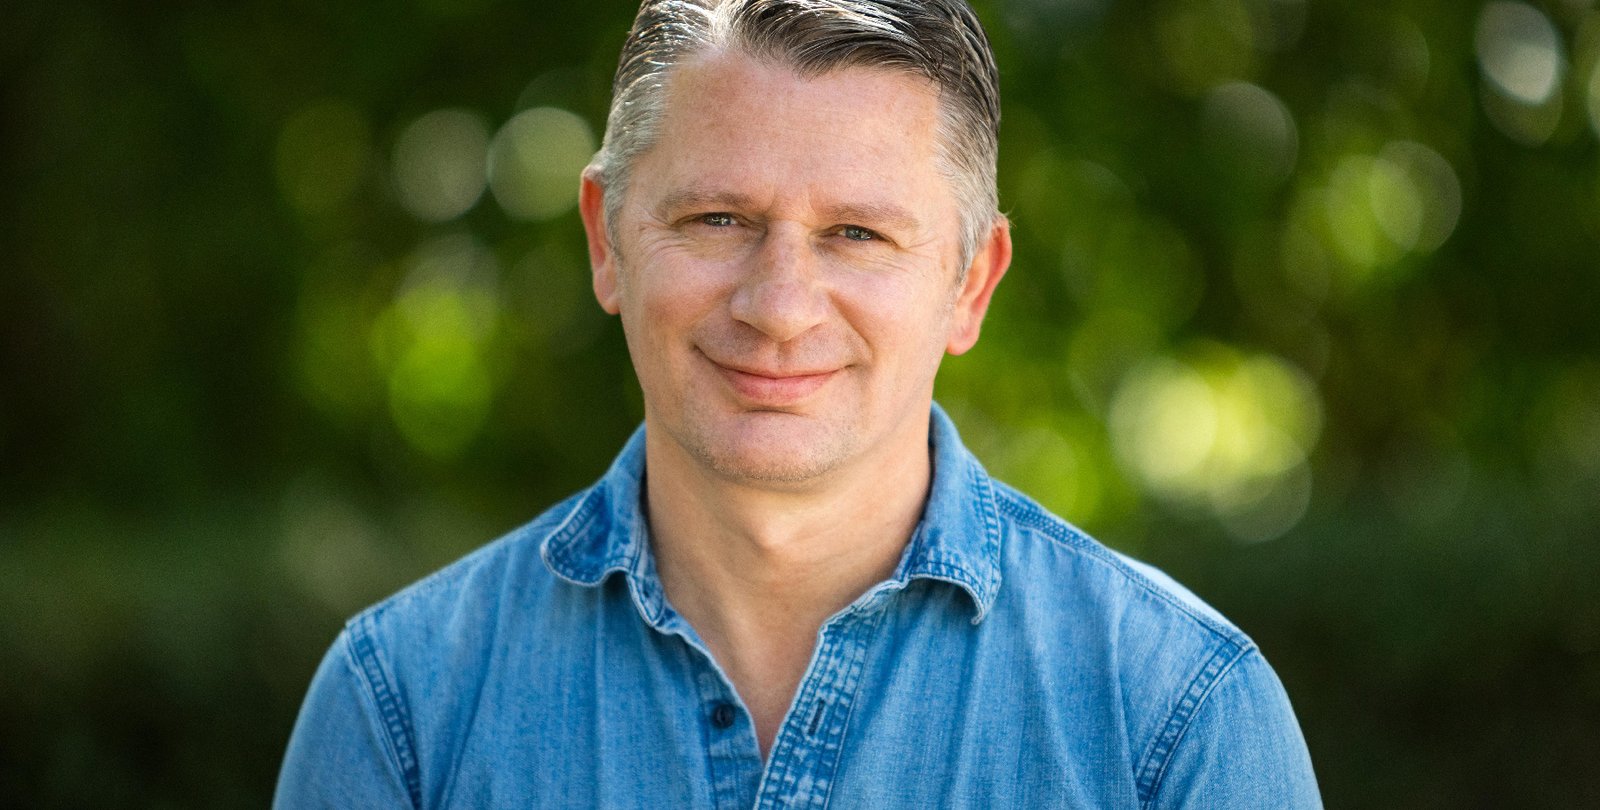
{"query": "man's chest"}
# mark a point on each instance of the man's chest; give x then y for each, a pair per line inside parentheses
(887, 715)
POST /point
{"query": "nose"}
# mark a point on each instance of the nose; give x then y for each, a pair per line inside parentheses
(780, 293)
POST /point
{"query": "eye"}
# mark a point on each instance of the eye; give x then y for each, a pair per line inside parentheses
(856, 233)
(717, 220)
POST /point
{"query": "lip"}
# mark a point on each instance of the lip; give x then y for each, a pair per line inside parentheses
(773, 388)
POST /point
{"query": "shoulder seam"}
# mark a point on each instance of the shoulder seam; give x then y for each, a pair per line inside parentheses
(1165, 743)
(1021, 509)
(395, 719)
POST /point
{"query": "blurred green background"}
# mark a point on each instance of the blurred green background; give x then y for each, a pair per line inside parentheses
(294, 309)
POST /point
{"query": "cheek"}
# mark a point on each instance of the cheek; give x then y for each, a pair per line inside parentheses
(904, 310)
(677, 292)
(663, 301)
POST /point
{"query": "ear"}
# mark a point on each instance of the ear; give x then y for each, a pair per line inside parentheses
(983, 275)
(602, 259)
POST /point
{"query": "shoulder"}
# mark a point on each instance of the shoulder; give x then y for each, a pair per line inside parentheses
(1044, 552)
(1167, 659)
(408, 668)
(453, 608)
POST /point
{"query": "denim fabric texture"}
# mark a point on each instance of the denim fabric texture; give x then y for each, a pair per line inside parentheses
(1009, 662)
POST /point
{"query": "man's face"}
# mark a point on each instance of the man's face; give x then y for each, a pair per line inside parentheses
(787, 268)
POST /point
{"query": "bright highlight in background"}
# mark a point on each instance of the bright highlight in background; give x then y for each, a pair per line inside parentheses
(535, 161)
(1225, 432)
(1520, 55)
(1405, 200)
(439, 164)
(435, 342)
(1519, 52)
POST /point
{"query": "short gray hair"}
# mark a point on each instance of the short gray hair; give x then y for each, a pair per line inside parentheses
(940, 40)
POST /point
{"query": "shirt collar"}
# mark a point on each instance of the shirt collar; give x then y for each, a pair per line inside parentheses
(957, 541)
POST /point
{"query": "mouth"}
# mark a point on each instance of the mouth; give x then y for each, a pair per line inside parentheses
(773, 387)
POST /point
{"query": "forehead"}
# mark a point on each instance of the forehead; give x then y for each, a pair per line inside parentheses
(755, 126)
(729, 77)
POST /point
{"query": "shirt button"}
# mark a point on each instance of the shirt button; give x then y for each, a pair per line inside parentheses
(722, 716)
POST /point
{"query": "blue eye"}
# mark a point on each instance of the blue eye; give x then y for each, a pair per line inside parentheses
(855, 233)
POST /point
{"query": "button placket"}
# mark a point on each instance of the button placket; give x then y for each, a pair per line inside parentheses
(732, 755)
(806, 753)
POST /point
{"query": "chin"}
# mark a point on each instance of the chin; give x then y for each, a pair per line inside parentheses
(768, 470)
(770, 449)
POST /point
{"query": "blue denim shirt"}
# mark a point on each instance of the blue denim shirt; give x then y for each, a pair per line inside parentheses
(1010, 661)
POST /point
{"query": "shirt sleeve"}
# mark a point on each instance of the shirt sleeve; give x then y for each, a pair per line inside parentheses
(1242, 749)
(340, 755)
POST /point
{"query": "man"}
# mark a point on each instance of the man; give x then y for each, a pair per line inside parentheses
(795, 587)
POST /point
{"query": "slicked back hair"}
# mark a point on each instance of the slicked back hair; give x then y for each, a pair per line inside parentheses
(940, 40)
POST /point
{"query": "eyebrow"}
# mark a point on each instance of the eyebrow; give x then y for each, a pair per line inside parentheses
(702, 198)
(877, 214)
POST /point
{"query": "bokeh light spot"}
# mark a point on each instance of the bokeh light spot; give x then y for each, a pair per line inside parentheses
(1396, 203)
(1527, 125)
(1164, 423)
(334, 551)
(461, 269)
(1265, 507)
(1378, 209)
(439, 164)
(1353, 223)
(1519, 51)
(1251, 132)
(535, 161)
(1437, 187)
(1225, 432)
(439, 391)
(436, 340)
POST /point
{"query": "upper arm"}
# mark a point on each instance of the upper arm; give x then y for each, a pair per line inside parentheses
(1242, 748)
(341, 754)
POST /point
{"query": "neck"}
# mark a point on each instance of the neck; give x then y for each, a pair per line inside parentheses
(756, 570)
(730, 551)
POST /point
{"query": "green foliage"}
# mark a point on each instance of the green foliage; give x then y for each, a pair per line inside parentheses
(294, 308)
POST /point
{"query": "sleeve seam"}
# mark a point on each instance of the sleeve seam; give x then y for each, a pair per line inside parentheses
(1200, 688)
(394, 721)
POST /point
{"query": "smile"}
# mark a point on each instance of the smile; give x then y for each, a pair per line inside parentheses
(772, 387)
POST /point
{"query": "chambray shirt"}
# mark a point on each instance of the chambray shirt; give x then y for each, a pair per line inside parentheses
(1009, 661)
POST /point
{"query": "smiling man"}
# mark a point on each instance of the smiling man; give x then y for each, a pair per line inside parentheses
(795, 587)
